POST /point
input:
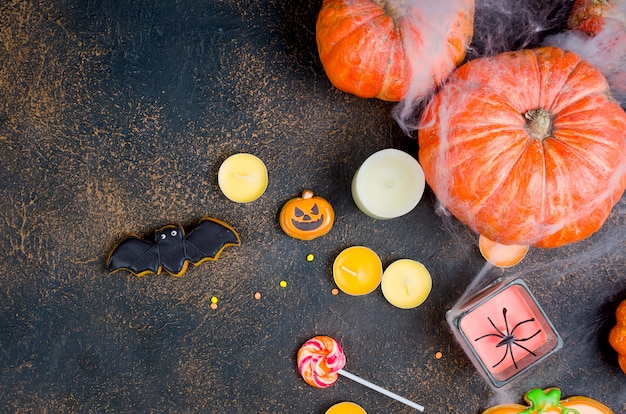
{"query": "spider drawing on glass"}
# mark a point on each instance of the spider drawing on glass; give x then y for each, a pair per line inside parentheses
(508, 338)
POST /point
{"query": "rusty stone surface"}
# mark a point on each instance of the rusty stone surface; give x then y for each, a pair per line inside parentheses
(114, 119)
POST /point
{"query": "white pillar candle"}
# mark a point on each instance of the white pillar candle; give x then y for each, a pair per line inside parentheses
(388, 184)
(242, 178)
(406, 283)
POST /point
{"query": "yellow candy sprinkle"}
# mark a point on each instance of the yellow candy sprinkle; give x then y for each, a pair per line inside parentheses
(310, 257)
(214, 299)
(283, 284)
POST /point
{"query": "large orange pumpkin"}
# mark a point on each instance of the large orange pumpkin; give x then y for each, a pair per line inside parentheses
(526, 147)
(378, 48)
(549, 401)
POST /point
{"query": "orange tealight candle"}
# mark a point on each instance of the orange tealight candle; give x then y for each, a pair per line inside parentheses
(346, 407)
(501, 255)
(357, 270)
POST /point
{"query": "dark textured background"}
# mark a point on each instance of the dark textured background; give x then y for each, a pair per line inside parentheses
(115, 117)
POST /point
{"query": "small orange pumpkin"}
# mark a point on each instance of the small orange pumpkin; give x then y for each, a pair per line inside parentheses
(604, 24)
(307, 217)
(617, 336)
(549, 401)
(588, 16)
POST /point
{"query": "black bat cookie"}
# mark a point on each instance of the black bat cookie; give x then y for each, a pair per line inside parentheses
(173, 250)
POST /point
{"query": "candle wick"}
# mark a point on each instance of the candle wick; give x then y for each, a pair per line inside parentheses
(350, 271)
(240, 176)
(407, 287)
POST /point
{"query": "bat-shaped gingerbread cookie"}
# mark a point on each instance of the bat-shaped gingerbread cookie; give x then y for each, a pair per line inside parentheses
(172, 250)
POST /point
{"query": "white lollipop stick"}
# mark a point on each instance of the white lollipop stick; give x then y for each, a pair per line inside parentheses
(381, 390)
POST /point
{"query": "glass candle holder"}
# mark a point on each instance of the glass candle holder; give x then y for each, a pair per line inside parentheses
(504, 331)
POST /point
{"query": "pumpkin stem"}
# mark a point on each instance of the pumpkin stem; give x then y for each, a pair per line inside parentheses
(538, 123)
(392, 8)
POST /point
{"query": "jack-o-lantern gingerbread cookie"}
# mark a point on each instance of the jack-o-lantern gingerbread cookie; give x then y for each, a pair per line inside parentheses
(307, 217)
(549, 401)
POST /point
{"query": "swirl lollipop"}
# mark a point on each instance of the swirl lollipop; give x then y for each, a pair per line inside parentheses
(321, 361)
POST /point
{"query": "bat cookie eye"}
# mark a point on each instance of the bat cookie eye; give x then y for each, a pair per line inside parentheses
(174, 233)
(162, 236)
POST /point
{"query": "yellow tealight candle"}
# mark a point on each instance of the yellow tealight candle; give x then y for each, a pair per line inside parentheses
(357, 270)
(406, 283)
(346, 407)
(242, 178)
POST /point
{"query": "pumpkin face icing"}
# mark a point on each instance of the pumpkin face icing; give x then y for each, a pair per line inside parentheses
(307, 221)
(307, 217)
